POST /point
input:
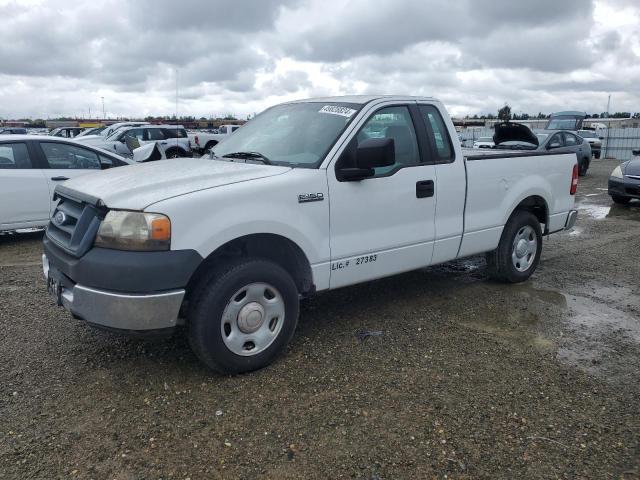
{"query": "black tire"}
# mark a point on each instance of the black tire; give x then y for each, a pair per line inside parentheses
(216, 291)
(174, 153)
(583, 166)
(500, 263)
(210, 144)
(620, 200)
(596, 155)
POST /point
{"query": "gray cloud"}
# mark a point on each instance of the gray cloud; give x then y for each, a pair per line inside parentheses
(59, 58)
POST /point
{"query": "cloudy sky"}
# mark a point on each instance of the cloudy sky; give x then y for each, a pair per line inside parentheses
(240, 56)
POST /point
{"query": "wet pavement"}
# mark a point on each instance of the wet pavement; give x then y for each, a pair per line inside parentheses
(460, 377)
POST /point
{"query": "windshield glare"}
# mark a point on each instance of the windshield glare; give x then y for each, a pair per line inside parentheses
(295, 134)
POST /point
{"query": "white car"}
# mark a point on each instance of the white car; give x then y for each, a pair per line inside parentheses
(108, 131)
(484, 142)
(172, 139)
(309, 196)
(31, 166)
(205, 141)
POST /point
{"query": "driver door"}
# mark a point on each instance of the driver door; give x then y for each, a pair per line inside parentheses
(66, 161)
(384, 224)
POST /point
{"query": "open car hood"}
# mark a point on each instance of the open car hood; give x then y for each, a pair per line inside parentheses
(513, 132)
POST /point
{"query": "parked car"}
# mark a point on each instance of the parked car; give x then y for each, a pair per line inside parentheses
(229, 246)
(13, 131)
(595, 142)
(624, 182)
(30, 168)
(92, 131)
(66, 132)
(172, 139)
(516, 136)
(205, 141)
(110, 130)
(484, 142)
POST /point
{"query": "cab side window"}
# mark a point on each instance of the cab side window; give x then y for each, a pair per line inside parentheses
(394, 123)
(438, 133)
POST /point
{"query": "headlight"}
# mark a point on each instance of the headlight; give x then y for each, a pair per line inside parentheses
(122, 230)
(617, 172)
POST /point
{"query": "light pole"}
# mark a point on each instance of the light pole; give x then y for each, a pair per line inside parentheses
(103, 114)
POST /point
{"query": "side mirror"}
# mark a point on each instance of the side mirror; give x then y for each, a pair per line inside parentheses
(105, 163)
(370, 154)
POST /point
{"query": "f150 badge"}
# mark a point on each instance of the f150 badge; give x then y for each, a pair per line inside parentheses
(310, 197)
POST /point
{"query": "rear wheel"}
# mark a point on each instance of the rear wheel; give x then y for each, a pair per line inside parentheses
(209, 146)
(620, 200)
(583, 166)
(174, 153)
(243, 315)
(518, 252)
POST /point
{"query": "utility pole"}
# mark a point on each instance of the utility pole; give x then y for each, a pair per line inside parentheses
(606, 145)
(176, 95)
(104, 116)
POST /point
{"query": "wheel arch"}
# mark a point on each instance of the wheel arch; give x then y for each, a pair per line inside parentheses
(538, 206)
(270, 246)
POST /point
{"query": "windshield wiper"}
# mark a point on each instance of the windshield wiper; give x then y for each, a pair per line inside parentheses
(249, 155)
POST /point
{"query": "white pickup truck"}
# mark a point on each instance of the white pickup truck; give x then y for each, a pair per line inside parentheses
(309, 196)
(205, 141)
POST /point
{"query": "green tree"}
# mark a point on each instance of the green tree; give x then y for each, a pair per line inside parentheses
(504, 113)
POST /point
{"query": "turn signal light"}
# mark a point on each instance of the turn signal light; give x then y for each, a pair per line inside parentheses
(161, 229)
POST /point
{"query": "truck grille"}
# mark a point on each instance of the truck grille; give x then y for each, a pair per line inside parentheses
(74, 225)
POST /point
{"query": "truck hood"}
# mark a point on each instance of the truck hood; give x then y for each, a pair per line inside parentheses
(513, 132)
(135, 187)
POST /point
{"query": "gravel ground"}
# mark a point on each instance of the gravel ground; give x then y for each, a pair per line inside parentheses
(469, 378)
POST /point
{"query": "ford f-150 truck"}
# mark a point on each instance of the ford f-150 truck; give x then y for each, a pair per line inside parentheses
(308, 196)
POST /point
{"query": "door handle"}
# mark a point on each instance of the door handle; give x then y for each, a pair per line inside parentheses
(59, 179)
(163, 143)
(425, 188)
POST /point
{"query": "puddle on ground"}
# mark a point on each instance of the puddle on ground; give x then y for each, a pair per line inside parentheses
(582, 332)
(594, 211)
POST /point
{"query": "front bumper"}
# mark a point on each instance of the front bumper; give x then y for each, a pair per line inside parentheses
(123, 290)
(618, 187)
(119, 311)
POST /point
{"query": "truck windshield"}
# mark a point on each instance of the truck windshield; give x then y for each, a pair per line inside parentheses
(294, 134)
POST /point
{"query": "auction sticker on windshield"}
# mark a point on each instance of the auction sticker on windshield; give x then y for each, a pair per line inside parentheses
(336, 110)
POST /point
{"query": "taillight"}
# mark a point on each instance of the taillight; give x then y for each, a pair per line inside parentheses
(574, 180)
(197, 140)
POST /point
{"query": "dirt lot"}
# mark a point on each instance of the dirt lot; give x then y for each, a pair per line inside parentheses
(469, 379)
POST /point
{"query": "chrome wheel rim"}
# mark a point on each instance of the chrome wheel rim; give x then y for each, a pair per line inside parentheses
(525, 247)
(252, 319)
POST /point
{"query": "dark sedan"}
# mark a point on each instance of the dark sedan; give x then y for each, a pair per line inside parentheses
(516, 136)
(624, 182)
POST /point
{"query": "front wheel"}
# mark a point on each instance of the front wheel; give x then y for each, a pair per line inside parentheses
(243, 315)
(518, 252)
(620, 200)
